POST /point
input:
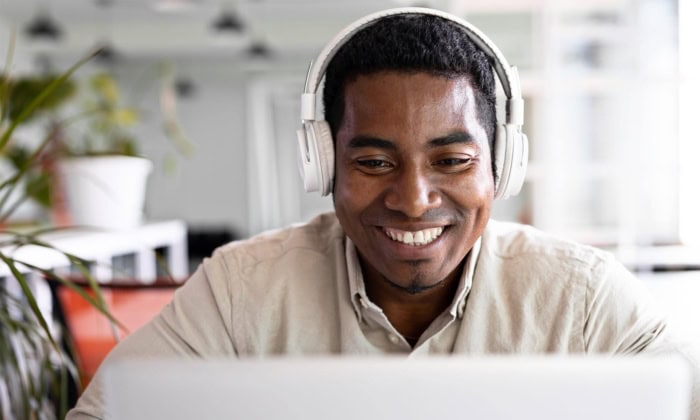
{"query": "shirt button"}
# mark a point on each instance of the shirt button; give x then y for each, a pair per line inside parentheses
(393, 338)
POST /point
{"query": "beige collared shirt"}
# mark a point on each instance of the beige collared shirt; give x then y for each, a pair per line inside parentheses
(300, 291)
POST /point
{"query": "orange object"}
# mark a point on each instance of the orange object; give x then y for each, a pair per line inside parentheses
(91, 332)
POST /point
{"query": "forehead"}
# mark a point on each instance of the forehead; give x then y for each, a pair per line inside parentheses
(393, 105)
(382, 87)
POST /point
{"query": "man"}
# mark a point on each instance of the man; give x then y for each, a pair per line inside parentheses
(409, 262)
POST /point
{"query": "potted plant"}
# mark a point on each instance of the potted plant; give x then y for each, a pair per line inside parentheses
(91, 173)
(34, 367)
(103, 178)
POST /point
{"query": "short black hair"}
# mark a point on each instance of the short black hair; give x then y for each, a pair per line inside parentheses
(411, 43)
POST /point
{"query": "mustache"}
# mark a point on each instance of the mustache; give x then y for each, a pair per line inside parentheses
(380, 216)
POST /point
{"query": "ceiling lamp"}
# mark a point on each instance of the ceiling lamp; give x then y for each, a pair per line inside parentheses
(185, 87)
(259, 49)
(43, 27)
(228, 22)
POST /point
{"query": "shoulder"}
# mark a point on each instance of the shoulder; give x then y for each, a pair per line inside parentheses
(579, 292)
(299, 253)
(315, 237)
(274, 285)
(525, 256)
(513, 241)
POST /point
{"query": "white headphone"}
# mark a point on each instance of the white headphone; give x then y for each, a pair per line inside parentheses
(316, 153)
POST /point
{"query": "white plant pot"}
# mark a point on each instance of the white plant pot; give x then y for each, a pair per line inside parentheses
(105, 191)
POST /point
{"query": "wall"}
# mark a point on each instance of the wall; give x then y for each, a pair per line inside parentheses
(208, 186)
(214, 185)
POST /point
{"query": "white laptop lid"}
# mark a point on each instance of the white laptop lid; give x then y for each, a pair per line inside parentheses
(493, 388)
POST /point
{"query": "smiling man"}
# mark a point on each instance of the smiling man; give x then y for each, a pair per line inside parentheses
(413, 188)
(410, 261)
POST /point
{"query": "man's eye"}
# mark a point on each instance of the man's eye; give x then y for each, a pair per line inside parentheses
(373, 163)
(453, 161)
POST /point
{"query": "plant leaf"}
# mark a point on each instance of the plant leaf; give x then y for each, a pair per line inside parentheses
(4, 92)
(29, 295)
(98, 302)
(37, 101)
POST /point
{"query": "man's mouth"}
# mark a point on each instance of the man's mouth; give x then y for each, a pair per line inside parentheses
(418, 238)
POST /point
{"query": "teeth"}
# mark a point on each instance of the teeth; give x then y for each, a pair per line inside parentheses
(421, 237)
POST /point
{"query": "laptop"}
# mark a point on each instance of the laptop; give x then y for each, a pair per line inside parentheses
(456, 387)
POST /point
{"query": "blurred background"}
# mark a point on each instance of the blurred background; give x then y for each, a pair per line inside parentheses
(608, 87)
(208, 90)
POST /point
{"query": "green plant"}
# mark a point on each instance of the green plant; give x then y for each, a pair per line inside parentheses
(101, 126)
(34, 367)
(102, 123)
(108, 128)
(33, 163)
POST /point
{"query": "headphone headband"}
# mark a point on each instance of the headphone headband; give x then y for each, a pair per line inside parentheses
(510, 146)
(507, 75)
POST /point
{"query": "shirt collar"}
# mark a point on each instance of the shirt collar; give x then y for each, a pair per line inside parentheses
(358, 294)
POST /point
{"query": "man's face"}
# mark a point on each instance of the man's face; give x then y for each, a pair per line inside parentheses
(413, 184)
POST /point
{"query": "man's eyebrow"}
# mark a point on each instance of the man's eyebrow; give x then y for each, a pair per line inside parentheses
(367, 141)
(457, 137)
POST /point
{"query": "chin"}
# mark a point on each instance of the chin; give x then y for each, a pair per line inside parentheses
(418, 280)
(416, 287)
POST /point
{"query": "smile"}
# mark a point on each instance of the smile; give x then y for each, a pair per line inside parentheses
(421, 237)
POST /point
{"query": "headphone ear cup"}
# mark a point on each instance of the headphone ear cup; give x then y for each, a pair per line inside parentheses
(326, 155)
(499, 157)
(307, 158)
(316, 156)
(518, 163)
(510, 154)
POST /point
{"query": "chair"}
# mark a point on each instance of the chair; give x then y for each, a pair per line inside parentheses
(92, 335)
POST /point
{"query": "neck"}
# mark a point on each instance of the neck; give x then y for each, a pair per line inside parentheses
(411, 312)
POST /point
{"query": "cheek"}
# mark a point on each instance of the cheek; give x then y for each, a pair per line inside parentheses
(473, 191)
(350, 195)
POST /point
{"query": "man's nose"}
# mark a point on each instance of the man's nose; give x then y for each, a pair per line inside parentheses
(413, 193)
